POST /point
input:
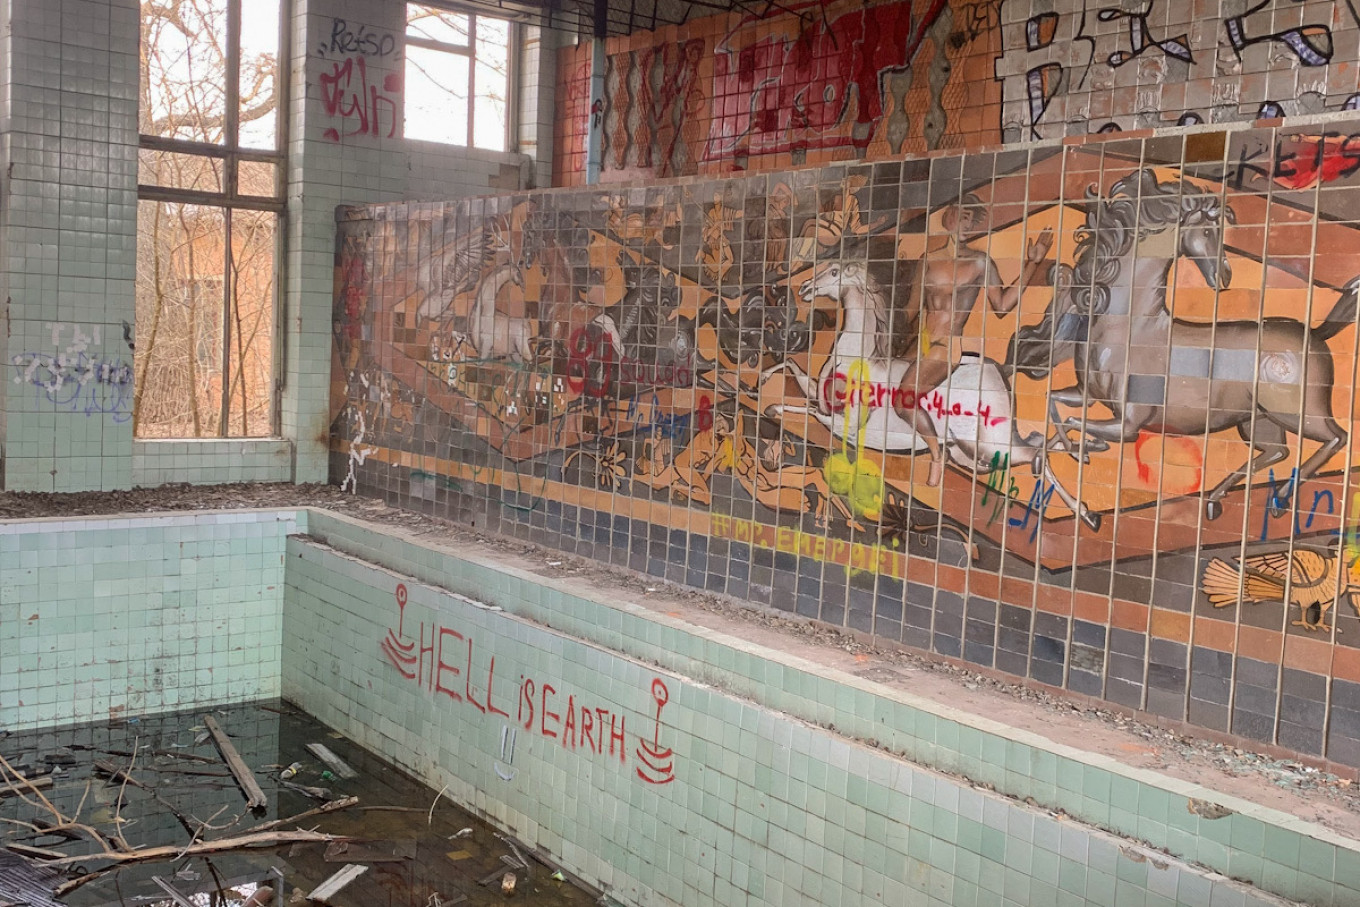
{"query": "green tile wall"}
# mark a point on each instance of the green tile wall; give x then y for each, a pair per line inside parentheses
(761, 808)
(105, 617)
(1110, 795)
(114, 616)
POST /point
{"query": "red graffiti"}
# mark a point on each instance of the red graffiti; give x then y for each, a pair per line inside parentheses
(1303, 161)
(840, 391)
(442, 661)
(354, 281)
(780, 94)
(657, 762)
(591, 365)
(347, 95)
(1149, 473)
(394, 646)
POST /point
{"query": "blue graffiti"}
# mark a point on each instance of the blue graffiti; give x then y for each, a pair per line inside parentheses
(77, 382)
(1035, 507)
(1279, 496)
(668, 425)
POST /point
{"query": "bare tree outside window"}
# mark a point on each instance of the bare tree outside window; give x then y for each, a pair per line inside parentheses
(211, 194)
(458, 77)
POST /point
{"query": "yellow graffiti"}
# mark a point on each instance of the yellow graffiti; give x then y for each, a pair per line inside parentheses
(853, 556)
(859, 480)
(1352, 534)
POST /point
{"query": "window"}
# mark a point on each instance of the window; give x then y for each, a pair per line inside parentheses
(210, 195)
(458, 77)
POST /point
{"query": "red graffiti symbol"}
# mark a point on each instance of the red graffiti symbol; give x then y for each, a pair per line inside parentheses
(401, 654)
(347, 95)
(658, 763)
(1192, 459)
(776, 94)
(703, 415)
(1314, 159)
(354, 295)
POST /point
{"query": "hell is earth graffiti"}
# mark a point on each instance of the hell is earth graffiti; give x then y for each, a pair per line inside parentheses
(436, 656)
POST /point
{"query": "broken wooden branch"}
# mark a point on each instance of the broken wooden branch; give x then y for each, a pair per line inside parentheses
(245, 778)
(330, 807)
(62, 822)
(240, 842)
(108, 768)
(35, 853)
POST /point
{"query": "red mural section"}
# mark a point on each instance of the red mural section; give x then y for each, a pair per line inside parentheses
(815, 83)
(818, 82)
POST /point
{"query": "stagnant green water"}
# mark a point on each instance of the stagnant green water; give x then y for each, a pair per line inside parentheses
(434, 864)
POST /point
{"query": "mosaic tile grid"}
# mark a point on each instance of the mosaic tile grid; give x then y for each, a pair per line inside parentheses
(104, 618)
(1318, 866)
(1075, 412)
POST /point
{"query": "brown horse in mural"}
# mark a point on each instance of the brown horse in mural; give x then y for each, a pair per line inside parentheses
(1160, 374)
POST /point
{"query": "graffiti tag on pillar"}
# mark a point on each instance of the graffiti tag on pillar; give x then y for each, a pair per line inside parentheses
(362, 107)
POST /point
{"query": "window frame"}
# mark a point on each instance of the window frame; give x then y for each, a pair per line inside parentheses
(231, 153)
(469, 51)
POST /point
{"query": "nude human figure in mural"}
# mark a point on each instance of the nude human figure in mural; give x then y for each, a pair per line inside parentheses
(952, 276)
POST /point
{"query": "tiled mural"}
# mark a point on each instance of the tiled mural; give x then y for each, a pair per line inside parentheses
(1079, 413)
(816, 82)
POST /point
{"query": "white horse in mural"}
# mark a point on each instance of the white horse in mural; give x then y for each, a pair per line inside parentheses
(858, 393)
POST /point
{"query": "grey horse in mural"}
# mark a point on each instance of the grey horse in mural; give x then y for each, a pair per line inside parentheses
(1161, 374)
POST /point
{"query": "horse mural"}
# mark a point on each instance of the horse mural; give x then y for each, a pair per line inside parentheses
(858, 395)
(1266, 379)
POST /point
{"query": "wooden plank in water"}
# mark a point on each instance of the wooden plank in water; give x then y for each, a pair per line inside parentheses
(331, 887)
(23, 787)
(245, 778)
(169, 889)
(333, 762)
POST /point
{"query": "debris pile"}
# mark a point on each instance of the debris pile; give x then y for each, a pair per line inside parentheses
(171, 812)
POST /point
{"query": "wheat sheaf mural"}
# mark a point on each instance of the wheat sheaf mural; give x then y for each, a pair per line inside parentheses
(1079, 413)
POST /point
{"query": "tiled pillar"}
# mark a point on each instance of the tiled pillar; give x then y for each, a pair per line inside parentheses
(327, 169)
(68, 243)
